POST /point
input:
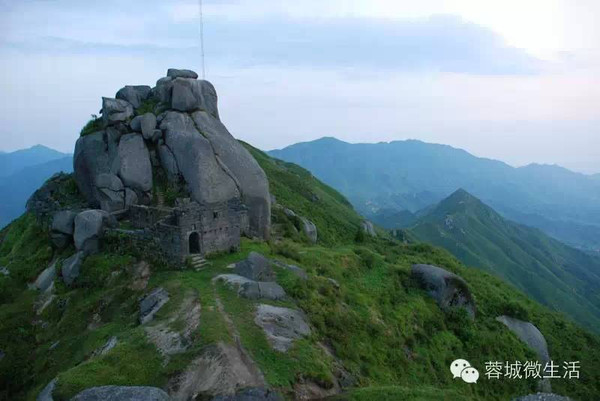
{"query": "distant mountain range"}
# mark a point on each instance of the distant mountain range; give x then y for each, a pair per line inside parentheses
(551, 272)
(24, 171)
(382, 179)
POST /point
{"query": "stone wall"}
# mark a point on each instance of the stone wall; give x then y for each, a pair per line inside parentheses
(144, 216)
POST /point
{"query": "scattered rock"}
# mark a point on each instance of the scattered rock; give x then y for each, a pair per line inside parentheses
(46, 278)
(54, 345)
(448, 289)
(309, 228)
(298, 271)
(251, 289)
(110, 344)
(71, 267)
(221, 369)
(281, 325)
(115, 110)
(89, 226)
(151, 304)
(251, 394)
(64, 222)
(122, 393)
(176, 73)
(289, 213)
(46, 393)
(4, 271)
(134, 94)
(255, 267)
(368, 228)
(135, 170)
(542, 397)
(334, 283)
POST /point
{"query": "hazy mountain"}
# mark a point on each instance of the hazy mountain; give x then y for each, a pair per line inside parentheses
(17, 187)
(13, 162)
(410, 175)
(555, 274)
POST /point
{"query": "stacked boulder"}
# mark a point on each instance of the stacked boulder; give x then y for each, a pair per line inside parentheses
(182, 135)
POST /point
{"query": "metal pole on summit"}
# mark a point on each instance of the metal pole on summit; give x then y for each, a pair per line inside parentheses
(202, 39)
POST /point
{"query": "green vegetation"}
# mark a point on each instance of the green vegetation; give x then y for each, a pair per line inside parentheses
(94, 125)
(552, 273)
(147, 106)
(365, 311)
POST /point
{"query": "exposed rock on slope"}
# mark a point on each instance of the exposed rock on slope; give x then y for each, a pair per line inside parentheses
(448, 289)
(114, 169)
(122, 393)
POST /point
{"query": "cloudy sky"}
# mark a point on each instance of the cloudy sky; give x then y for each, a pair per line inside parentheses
(515, 80)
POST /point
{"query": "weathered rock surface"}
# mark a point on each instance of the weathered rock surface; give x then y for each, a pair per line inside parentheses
(89, 226)
(448, 289)
(251, 289)
(222, 369)
(134, 94)
(543, 397)
(105, 349)
(46, 278)
(249, 176)
(110, 192)
(281, 325)
(181, 73)
(122, 393)
(529, 334)
(251, 394)
(298, 271)
(115, 110)
(191, 95)
(4, 271)
(135, 170)
(145, 124)
(71, 267)
(309, 228)
(46, 393)
(152, 303)
(368, 228)
(64, 222)
(255, 267)
(207, 181)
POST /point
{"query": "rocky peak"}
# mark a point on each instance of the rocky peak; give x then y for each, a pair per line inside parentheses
(172, 130)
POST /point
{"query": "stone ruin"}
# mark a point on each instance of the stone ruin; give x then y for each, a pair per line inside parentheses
(171, 135)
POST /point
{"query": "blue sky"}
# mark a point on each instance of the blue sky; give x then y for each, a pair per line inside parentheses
(514, 80)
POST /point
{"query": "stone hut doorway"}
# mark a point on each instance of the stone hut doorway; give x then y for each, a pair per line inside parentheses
(194, 243)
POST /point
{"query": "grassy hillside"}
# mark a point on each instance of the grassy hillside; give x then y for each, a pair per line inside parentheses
(554, 274)
(366, 313)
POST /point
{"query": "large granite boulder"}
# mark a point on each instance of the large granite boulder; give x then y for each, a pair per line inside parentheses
(89, 226)
(191, 95)
(281, 325)
(146, 124)
(249, 176)
(529, 334)
(135, 170)
(207, 180)
(134, 94)
(95, 154)
(64, 222)
(116, 110)
(448, 289)
(110, 192)
(309, 229)
(181, 73)
(71, 267)
(251, 289)
(255, 267)
(122, 393)
(46, 278)
(368, 228)
(251, 394)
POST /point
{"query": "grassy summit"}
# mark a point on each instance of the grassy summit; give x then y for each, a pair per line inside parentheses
(366, 313)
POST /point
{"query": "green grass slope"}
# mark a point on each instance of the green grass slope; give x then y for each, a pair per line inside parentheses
(366, 314)
(552, 273)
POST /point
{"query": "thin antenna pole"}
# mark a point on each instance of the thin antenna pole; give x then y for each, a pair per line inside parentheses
(202, 39)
